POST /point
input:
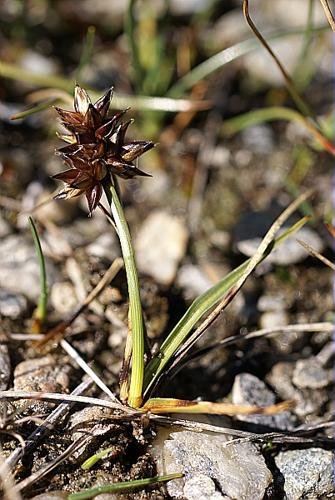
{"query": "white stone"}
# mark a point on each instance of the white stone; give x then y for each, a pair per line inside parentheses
(160, 245)
(239, 470)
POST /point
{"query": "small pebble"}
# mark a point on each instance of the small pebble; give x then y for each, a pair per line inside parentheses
(309, 374)
(249, 390)
(12, 305)
(63, 297)
(259, 139)
(4, 228)
(160, 245)
(307, 401)
(271, 303)
(273, 319)
(44, 374)
(93, 420)
(193, 281)
(253, 226)
(105, 247)
(308, 474)
(17, 254)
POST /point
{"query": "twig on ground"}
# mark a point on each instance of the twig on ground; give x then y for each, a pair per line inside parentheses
(8, 483)
(87, 369)
(328, 13)
(317, 254)
(56, 333)
(48, 424)
(43, 471)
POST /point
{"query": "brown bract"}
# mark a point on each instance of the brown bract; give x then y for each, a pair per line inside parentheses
(96, 148)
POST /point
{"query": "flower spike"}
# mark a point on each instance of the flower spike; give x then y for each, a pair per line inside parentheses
(96, 148)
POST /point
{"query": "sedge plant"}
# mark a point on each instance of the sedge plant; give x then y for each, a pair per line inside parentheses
(96, 154)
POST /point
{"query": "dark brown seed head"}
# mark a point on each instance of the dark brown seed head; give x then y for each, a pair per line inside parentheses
(96, 148)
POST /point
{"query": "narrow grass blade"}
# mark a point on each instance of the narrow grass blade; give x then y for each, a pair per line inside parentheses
(91, 461)
(130, 30)
(225, 56)
(229, 295)
(300, 102)
(41, 310)
(170, 405)
(33, 109)
(87, 51)
(328, 13)
(135, 340)
(122, 487)
(216, 294)
(245, 120)
(120, 101)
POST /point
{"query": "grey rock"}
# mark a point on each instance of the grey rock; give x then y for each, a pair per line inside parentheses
(326, 355)
(307, 402)
(249, 390)
(160, 245)
(309, 373)
(273, 319)
(271, 303)
(51, 495)
(12, 305)
(308, 474)
(252, 227)
(259, 139)
(4, 228)
(192, 280)
(105, 247)
(44, 374)
(187, 7)
(93, 420)
(19, 270)
(238, 469)
(35, 62)
(5, 367)
(63, 297)
(201, 487)
(285, 341)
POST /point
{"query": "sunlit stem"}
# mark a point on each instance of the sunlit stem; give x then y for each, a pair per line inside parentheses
(135, 340)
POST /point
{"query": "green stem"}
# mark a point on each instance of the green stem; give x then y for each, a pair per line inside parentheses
(41, 310)
(136, 326)
(120, 487)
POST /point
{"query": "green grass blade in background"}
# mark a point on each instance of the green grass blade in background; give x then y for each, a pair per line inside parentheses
(130, 30)
(225, 56)
(87, 52)
(245, 120)
(41, 310)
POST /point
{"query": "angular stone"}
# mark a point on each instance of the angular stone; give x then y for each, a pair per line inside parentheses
(44, 374)
(309, 374)
(249, 390)
(238, 469)
(308, 474)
